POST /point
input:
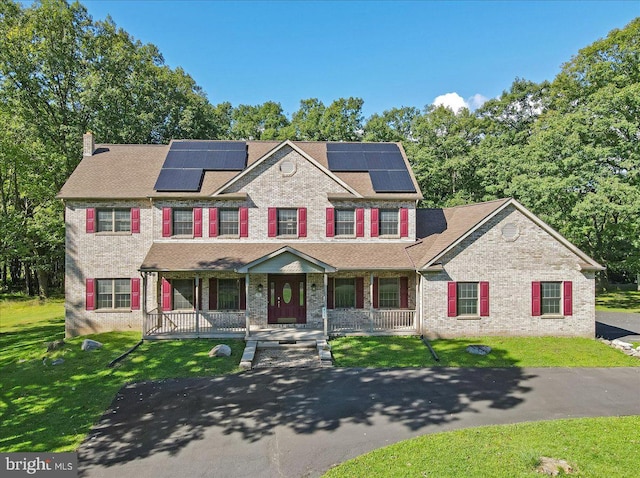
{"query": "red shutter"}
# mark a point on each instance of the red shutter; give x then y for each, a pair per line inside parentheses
(273, 222)
(568, 298)
(330, 291)
(197, 222)
(166, 294)
(331, 230)
(374, 222)
(91, 220)
(135, 293)
(166, 222)
(375, 292)
(244, 221)
(90, 293)
(243, 294)
(484, 299)
(213, 294)
(359, 222)
(135, 220)
(535, 299)
(404, 222)
(452, 299)
(404, 292)
(213, 222)
(302, 222)
(359, 292)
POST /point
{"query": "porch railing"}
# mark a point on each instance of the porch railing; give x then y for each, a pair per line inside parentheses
(203, 323)
(376, 321)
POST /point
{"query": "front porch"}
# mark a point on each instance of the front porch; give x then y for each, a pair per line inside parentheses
(207, 324)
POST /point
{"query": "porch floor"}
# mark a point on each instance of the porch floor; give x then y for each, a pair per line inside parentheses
(285, 334)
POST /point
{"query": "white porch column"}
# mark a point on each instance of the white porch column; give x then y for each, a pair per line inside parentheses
(325, 313)
(198, 305)
(247, 331)
(371, 300)
(418, 313)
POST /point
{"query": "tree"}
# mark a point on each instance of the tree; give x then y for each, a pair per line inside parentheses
(393, 125)
(307, 121)
(342, 120)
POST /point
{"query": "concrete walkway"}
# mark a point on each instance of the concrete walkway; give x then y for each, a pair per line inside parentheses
(618, 325)
(299, 422)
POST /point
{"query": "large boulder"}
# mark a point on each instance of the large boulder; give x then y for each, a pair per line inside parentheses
(88, 344)
(221, 350)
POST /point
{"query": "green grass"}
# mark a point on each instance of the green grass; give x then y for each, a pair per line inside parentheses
(619, 301)
(382, 352)
(51, 408)
(594, 447)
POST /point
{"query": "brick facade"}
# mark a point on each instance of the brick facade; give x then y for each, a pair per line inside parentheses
(509, 266)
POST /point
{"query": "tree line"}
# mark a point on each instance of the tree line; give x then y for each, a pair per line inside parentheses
(568, 148)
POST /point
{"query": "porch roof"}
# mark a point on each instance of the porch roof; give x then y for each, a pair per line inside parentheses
(185, 256)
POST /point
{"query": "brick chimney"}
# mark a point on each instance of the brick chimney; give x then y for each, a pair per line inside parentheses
(88, 144)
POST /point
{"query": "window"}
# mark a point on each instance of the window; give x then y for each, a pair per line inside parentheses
(287, 222)
(228, 294)
(344, 222)
(114, 293)
(550, 296)
(114, 220)
(388, 222)
(228, 222)
(388, 293)
(345, 293)
(467, 295)
(183, 293)
(182, 222)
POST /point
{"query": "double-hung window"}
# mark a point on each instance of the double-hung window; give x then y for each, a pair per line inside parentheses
(388, 222)
(228, 224)
(467, 295)
(287, 222)
(228, 294)
(550, 298)
(344, 222)
(182, 224)
(345, 293)
(114, 220)
(389, 293)
(183, 293)
(113, 293)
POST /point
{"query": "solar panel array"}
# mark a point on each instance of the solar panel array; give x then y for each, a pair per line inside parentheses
(186, 162)
(383, 162)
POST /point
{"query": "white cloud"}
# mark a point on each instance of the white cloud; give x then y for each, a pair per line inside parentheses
(455, 102)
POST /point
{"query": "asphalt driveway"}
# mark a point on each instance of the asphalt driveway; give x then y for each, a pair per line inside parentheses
(618, 325)
(299, 422)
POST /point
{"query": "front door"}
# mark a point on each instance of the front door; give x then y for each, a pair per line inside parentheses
(287, 299)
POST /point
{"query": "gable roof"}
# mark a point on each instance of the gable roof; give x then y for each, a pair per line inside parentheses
(302, 153)
(126, 171)
(440, 230)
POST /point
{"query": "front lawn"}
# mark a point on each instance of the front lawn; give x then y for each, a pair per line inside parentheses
(45, 407)
(605, 446)
(619, 301)
(398, 351)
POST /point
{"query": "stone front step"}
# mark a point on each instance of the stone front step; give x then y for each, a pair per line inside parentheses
(271, 354)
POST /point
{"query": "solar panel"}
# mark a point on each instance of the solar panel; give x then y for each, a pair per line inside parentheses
(380, 147)
(346, 147)
(186, 161)
(392, 181)
(344, 161)
(187, 180)
(382, 160)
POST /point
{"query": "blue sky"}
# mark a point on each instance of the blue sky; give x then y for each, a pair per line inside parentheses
(390, 53)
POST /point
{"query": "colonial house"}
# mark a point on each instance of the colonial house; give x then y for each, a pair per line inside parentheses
(220, 238)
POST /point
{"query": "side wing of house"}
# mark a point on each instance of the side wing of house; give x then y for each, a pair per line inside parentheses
(512, 275)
